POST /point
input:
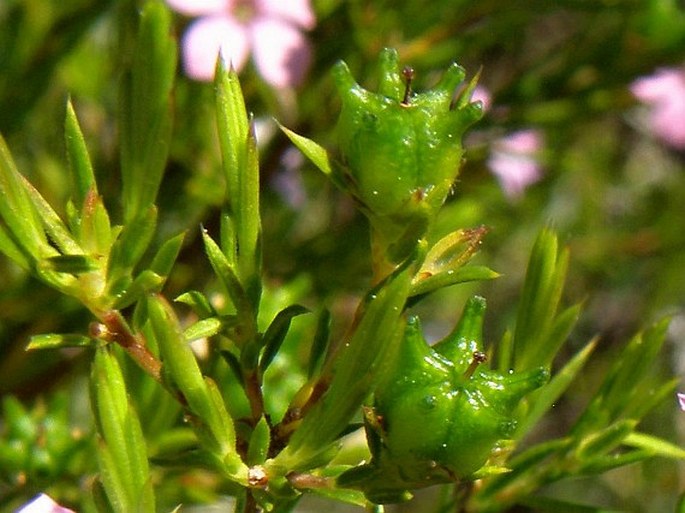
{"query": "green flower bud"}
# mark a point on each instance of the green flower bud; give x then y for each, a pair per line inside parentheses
(401, 152)
(438, 414)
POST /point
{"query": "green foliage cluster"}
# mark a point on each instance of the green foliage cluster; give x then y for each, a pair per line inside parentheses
(233, 340)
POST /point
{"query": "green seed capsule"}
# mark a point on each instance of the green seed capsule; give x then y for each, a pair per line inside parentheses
(401, 152)
(438, 414)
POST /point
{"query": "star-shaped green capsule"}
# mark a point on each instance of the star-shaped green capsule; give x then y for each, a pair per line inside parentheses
(438, 413)
(401, 152)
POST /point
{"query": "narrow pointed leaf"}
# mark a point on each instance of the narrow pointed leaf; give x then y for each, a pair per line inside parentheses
(344, 495)
(146, 498)
(320, 344)
(228, 239)
(558, 334)
(203, 329)
(145, 283)
(227, 276)
(17, 209)
(111, 408)
(654, 397)
(116, 497)
(223, 431)
(451, 277)
(13, 251)
(241, 168)
(132, 243)
(657, 446)
(525, 465)
(215, 427)
(145, 113)
(276, 332)
(603, 442)
(71, 264)
(139, 469)
(55, 340)
(465, 96)
(65, 283)
(234, 363)
(249, 226)
(97, 489)
(164, 259)
(612, 461)
(80, 167)
(545, 398)
(535, 455)
(542, 288)
(538, 280)
(634, 364)
(355, 373)
(315, 153)
(53, 225)
(178, 359)
(258, 447)
(232, 124)
(198, 302)
(622, 387)
(93, 226)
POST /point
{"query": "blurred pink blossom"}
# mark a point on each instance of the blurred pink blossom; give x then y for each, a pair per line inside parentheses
(664, 93)
(43, 504)
(269, 29)
(514, 161)
(681, 400)
(514, 157)
(482, 94)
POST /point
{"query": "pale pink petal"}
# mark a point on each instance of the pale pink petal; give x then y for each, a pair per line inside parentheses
(281, 53)
(661, 86)
(514, 161)
(205, 38)
(514, 172)
(481, 94)
(668, 123)
(664, 93)
(298, 12)
(521, 142)
(43, 504)
(201, 7)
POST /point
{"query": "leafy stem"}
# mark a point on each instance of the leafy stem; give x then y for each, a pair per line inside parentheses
(114, 328)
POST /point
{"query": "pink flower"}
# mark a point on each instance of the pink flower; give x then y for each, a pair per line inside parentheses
(270, 29)
(681, 400)
(664, 93)
(482, 94)
(43, 504)
(514, 162)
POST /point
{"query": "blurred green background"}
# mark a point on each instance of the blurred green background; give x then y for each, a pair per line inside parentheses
(611, 188)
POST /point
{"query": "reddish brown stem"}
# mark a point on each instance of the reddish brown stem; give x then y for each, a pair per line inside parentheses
(253, 390)
(117, 330)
